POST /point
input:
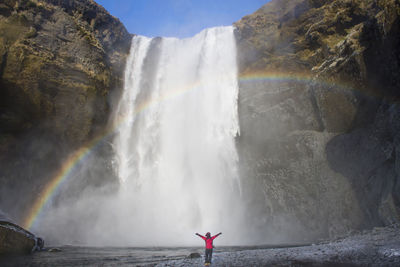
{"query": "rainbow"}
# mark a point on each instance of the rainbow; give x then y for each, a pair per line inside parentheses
(275, 76)
(55, 183)
(289, 77)
(61, 176)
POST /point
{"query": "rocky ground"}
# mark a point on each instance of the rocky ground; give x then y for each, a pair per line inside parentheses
(379, 247)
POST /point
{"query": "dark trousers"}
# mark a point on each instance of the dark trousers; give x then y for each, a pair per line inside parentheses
(208, 255)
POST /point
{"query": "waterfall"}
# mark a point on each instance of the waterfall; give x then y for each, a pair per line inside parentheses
(175, 148)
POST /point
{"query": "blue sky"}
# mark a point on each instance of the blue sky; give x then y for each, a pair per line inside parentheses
(178, 18)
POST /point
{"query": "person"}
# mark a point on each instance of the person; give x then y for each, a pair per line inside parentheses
(209, 246)
(39, 244)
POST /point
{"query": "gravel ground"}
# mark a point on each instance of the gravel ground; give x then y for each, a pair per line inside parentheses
(378, 247)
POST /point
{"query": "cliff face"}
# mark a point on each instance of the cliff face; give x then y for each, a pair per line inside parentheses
(318, 106)
(319, 115)
(61, 64)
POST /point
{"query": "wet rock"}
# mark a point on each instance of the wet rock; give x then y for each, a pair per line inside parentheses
(194, 255)
(328, 69)
(14, 239)
(39, 244)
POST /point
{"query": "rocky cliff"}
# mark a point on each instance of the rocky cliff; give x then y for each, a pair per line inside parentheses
(318, 106)
(319, 113)
(61, 65)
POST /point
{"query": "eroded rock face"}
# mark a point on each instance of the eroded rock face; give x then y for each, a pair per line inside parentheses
(317, 108)
(61, 65)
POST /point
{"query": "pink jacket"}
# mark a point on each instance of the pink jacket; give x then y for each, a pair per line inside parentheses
(209, 241)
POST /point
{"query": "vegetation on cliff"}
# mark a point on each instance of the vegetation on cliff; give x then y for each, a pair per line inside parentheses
(61, 63)
(319, 145)
(320, 138)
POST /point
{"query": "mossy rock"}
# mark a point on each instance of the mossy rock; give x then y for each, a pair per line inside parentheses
(60, 62)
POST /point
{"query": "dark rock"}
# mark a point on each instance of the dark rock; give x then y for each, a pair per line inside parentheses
(322, 132)
(61, 67)
(194, 255)
(14, 239)
(39, 243)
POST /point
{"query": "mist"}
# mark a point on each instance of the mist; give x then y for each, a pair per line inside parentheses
(186, 156)
(174, 153)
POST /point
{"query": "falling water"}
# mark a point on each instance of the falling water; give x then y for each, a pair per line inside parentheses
(176, 154)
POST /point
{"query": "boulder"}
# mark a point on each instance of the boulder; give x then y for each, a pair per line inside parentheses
(15, 240)
(194, 255)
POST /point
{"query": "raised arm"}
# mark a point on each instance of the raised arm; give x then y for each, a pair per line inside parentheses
(216, 235)
(203, 237)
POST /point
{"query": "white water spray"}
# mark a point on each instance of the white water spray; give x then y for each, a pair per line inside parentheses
(176, 154)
